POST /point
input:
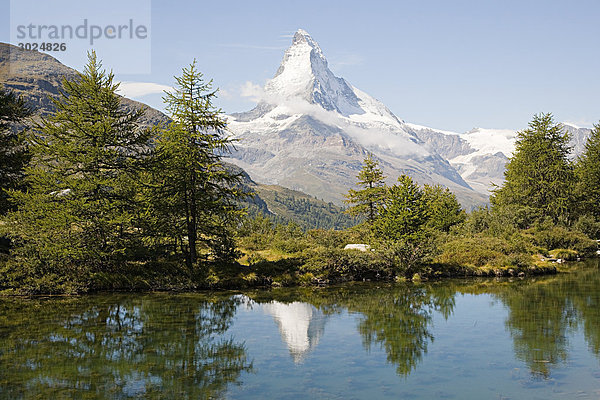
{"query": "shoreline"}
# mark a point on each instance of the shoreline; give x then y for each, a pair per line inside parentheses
(246, 278)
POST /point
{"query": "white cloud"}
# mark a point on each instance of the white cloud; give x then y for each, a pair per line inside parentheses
(384, 137)
(252, 90)
(140, 89)
(225, 93)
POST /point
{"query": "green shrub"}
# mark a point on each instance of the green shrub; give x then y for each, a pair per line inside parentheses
(289, 245)
(32, 280)
(481, 251)
(589, 226)
(558, 237)
(327, 238)
(255, 258)
(405, 258)
(335, 265)
(564, 254)
(255, 241)
(476, 251)
(268, 270)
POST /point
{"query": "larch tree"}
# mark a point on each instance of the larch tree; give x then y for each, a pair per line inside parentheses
(193, 193)
(79, 214)
(366, 201)
(403, 214)
(443, 209)
(539, 177)
(13, 150)
(588, 174)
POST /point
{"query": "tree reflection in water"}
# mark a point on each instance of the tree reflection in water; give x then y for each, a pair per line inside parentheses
(118, 347)
(544, 313)
(400, 322)
(396, 318)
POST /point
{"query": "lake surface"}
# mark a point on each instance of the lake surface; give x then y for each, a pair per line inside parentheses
(534, 338)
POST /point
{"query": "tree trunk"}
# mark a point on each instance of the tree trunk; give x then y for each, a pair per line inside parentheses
(189, 260)
(192, 224)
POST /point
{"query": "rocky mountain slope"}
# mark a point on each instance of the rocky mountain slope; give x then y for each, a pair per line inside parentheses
(38, 76)
(480, 155)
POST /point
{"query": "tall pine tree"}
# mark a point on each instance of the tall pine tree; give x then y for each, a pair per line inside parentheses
(193, 193)
(79, 215)
(13, 151)
(366, 201)
(539, 178)
(588, 174)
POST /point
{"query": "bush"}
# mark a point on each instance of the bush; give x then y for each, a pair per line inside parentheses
(254, 241)
(255, 258)
(589, 226)
(289, 245)
(481, 251)
(336, 265)
(404, 258)
(36, 279)
(327, 238)
(474, 251)
(558, 237)
(268, 272)
(564, 254)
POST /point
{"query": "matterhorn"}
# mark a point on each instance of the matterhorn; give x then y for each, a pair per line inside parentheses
(311, 130)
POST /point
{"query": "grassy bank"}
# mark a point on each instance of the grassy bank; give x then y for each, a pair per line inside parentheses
(285, 255)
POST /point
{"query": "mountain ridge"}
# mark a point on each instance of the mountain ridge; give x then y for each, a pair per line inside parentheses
(480, 155)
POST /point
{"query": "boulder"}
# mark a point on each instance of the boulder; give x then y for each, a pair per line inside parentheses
(357, 246)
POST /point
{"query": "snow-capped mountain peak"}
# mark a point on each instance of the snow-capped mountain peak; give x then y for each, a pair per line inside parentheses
(311, 130)
(301, 37)
(304, 74)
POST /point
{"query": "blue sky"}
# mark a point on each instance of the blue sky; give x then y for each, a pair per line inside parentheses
(451, 65)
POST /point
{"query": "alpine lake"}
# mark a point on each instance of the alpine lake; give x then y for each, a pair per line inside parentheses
(521, 338)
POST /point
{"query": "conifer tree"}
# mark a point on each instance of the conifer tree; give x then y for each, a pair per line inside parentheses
(367, 200)
(539, 177)
(443, 209)
(13, 151)
(78, 216)
(588, 174)
(403, 214)
(193, 193)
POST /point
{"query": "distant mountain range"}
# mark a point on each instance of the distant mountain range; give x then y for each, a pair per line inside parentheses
(480, 155)
(37, 77)
(311, 130)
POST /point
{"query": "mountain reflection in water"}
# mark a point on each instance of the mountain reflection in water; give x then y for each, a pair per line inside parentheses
(300, 324)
